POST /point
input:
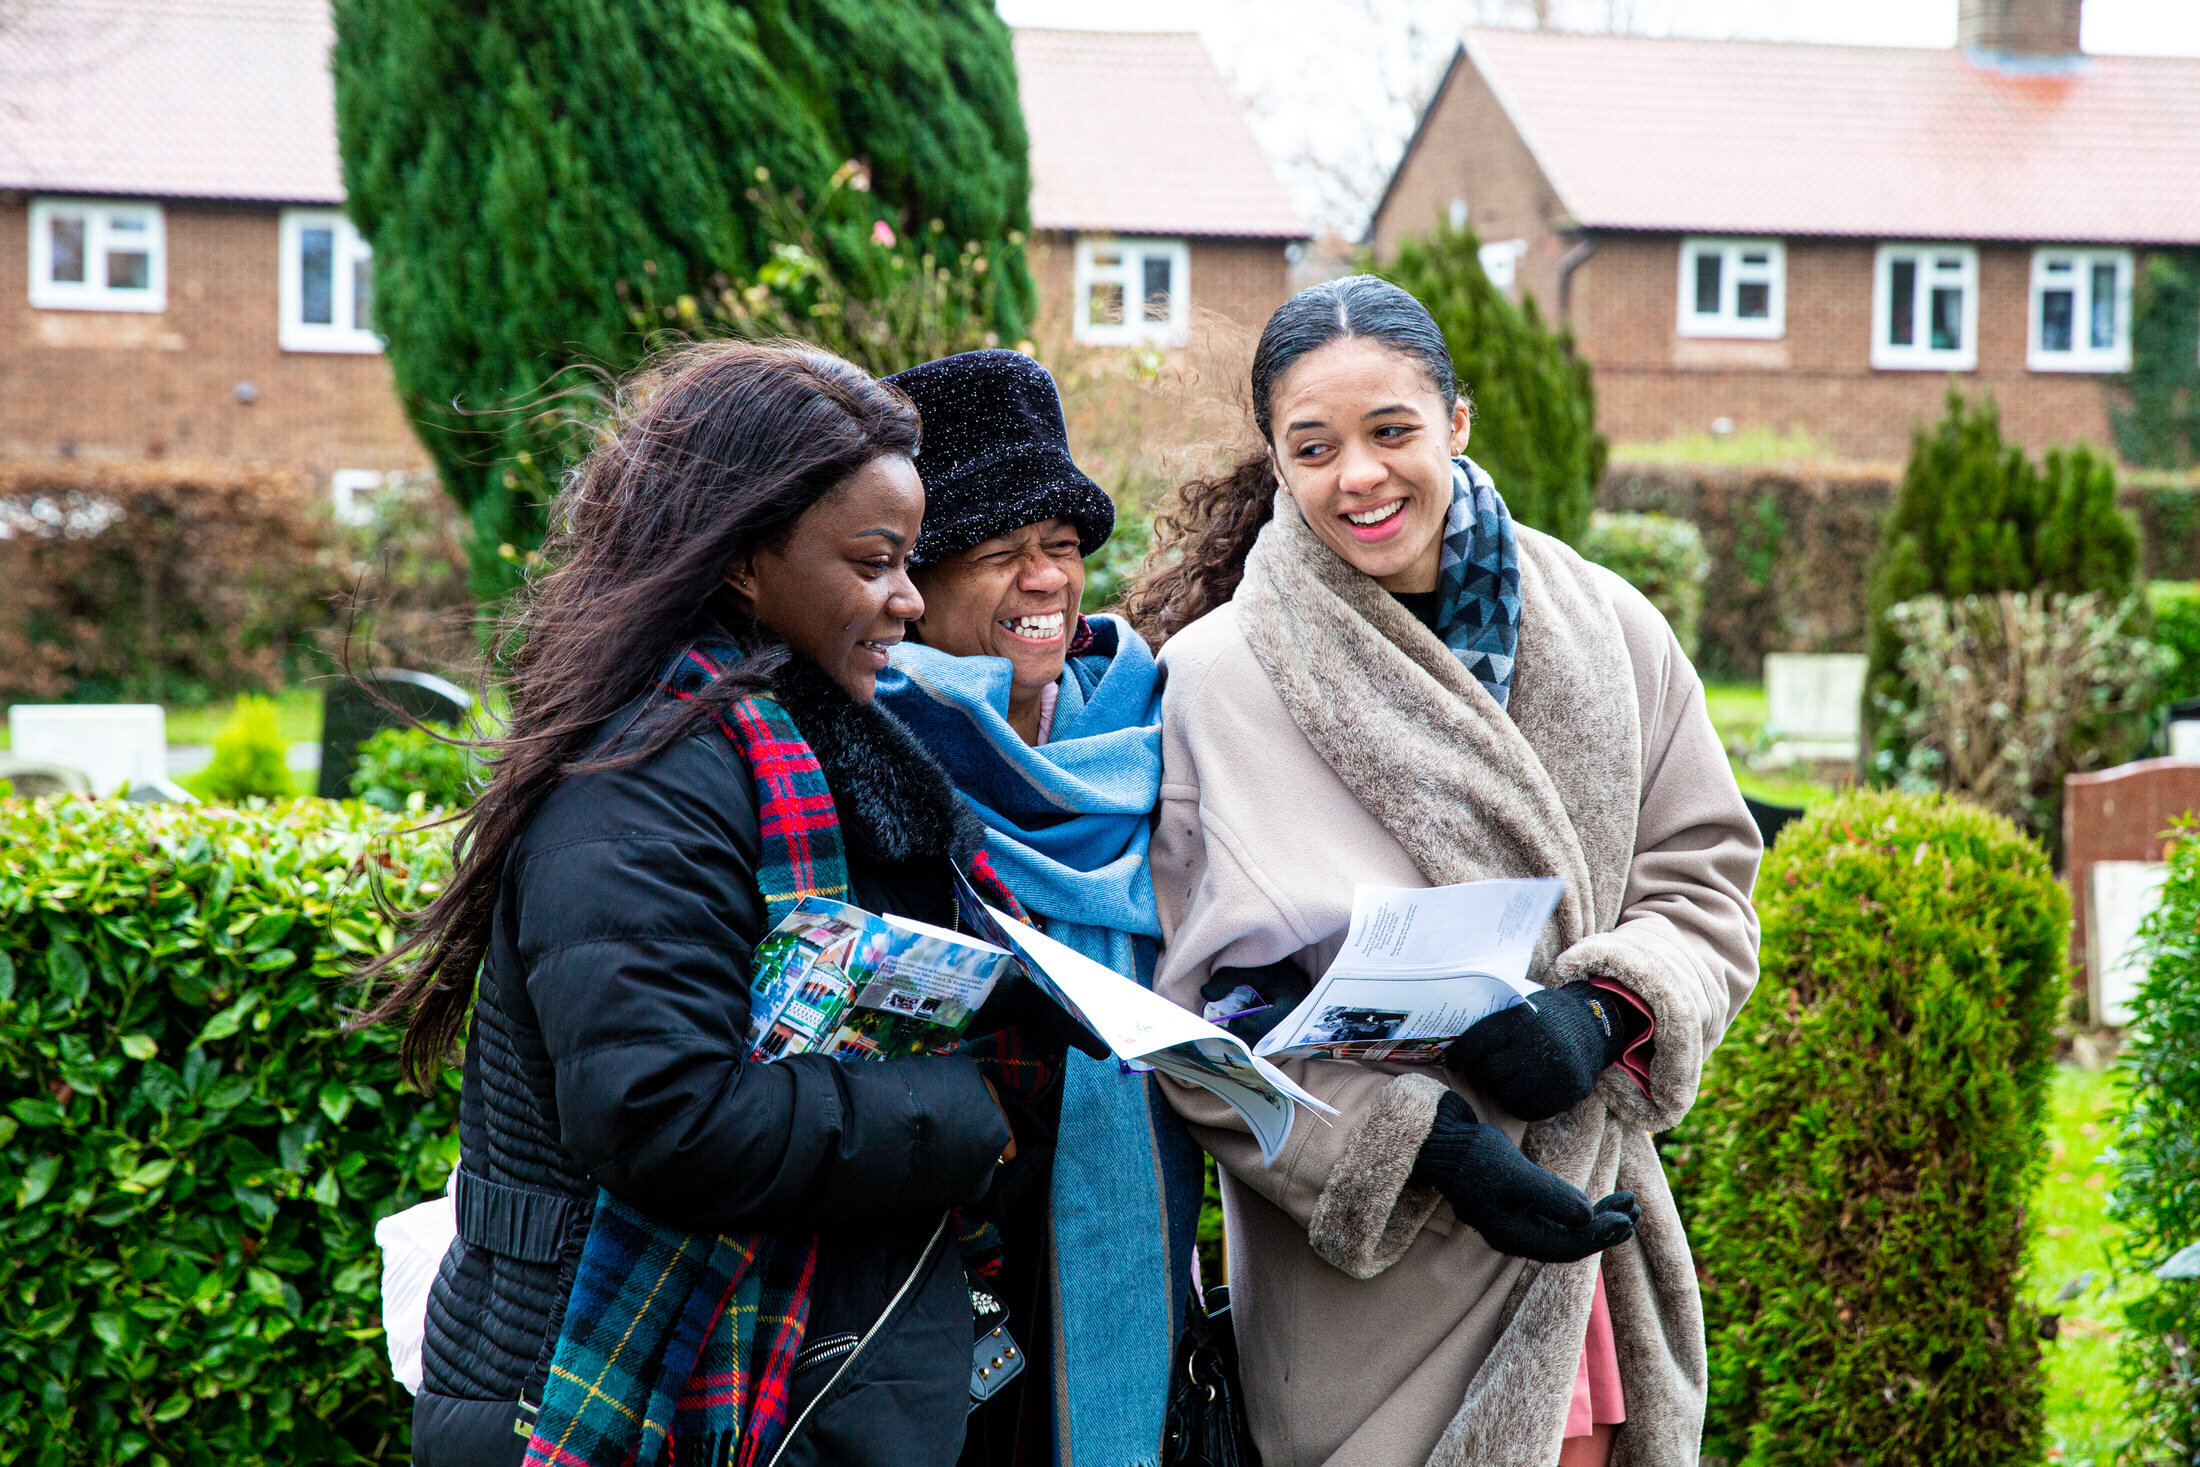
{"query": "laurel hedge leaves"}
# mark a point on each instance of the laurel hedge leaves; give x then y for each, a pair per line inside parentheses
(1854, 1176)
(2157, 1193)
(193, 1153)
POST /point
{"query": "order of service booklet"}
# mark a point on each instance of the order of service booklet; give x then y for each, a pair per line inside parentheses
(835, 979)
(1419, 967)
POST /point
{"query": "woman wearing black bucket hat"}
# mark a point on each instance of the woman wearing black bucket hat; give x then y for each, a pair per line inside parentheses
(1050, 726)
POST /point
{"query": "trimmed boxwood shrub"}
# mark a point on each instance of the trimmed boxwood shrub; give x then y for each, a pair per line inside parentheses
(2157, 1196)
(1854, 1176)
(1660, 556)
(195, 1151)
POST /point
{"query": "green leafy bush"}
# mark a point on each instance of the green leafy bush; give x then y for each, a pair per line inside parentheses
(2011, 692)
(2157, 1193)
(197, 1153)
(2176, 611)
(1534, 409)
(250, 757)
(1975, 516)
(412, 769)
(1854, 1176)
(1660, 556)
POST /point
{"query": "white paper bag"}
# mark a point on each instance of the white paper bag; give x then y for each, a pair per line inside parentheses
(413, 1243)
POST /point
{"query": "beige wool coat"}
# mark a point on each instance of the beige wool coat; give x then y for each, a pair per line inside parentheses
(1315, 735)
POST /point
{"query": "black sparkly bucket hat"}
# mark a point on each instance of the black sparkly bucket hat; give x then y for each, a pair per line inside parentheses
(996, 455)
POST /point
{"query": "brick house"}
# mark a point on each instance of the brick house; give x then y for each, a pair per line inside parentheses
(1146, 186)
(176, 273)
(1819, 237)
(177, 276)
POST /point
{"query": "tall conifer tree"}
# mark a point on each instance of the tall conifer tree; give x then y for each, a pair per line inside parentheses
(518, 164)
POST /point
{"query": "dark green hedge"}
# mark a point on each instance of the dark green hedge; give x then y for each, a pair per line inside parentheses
(1855, 1174)
(2157, 1196)
(194, 1152)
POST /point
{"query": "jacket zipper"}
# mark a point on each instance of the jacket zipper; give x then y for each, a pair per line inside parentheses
(939, 1231)
(832, 1347)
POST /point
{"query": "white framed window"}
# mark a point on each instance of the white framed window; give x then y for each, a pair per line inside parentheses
(1733, 287)
(1132, 290)
(2080, 311)
(325, 283)
(354, 491)
(98, 255)
(1925, 308)
(1501, 262)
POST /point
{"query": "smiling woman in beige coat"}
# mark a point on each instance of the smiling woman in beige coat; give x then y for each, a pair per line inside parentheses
(1376, 676)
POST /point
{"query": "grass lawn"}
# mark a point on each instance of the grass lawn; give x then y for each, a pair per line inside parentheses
(2070, 1240)
(297, 712)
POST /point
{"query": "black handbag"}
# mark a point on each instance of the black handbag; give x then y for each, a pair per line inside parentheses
(1206, 1417)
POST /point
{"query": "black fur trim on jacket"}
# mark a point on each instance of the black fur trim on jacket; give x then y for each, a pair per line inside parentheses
(894, 801)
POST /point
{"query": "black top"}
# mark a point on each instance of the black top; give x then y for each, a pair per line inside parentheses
(609, 1050)
(1423, 604)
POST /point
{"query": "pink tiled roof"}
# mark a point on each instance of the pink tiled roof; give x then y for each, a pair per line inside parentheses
(216, 99)
(1135, 133)
(1772, 138)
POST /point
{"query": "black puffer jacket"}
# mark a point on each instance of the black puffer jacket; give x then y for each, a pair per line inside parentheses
(607, 1049)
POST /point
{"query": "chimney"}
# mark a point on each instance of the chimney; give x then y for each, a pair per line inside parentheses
(2023, 28)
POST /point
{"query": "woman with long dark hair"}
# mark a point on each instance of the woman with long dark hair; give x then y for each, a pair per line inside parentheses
(664, 1248)
(1374, 675)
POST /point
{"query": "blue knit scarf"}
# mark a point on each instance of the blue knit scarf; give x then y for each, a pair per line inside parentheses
(1067, 825)
(1478, 581)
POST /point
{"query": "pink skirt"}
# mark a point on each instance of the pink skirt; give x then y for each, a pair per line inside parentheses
(1598, 1404)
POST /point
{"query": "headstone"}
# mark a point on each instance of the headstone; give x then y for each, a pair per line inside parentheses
(1814, 704)
(355, 710)
(31, 779)
(2119, 895)
(2124, 815)
(115, 744)
(1771, 819)
(2184, 729)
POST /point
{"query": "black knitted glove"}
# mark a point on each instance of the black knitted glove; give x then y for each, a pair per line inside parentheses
(1538, 1059)
(1282, 986)
(1519, 1208)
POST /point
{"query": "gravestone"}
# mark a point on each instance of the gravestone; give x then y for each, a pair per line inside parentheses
(1814, 704)
(115, 744)
(354, 711)
(2119, 895)
(1771, 819)
(2119, 816)
(2183, 732)
(31, 778)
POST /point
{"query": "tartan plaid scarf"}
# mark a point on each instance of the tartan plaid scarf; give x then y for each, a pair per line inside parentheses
(680, 1346)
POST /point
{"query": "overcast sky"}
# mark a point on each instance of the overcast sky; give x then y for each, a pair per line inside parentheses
(1331, 85)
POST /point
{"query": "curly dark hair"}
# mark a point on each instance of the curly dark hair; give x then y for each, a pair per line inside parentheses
(1207, 527)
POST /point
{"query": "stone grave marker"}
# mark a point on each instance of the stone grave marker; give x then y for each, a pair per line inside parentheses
(115, 744)
(351, 714)
(2118, 818)
(1814, 703)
